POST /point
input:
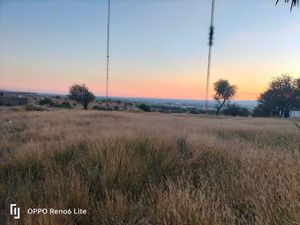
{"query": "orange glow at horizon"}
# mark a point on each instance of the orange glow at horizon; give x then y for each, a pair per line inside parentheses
(150, 85)
(192, 88)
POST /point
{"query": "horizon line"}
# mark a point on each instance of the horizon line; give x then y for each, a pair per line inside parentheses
(100, 96)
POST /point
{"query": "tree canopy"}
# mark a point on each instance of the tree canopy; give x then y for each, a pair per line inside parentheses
(282, 95)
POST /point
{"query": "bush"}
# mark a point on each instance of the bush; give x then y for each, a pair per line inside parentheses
(236, 110)
(96, 107)
(144, 107)
(211, 112)
(197, 111)
(33, 107)
(64, 105)
(47, 101)
(261, 111)
(128, 103)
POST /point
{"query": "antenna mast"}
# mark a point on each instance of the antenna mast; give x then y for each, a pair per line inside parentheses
(210, 44)
(107, 51)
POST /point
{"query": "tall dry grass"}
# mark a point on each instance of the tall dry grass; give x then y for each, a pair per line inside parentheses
(136, 168)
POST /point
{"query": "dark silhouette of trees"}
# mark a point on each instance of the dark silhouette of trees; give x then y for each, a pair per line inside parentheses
(81, 94)
(144, 107)
(235, 110)
(282, 95)
(224, 93)
(293, 3)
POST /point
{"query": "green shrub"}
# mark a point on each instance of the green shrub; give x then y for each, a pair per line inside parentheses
(47, 101)
(64, 105)
(197, 111)
(236, 110)
(33, 107)
(261, 111)
(144, 107)
(97, 107)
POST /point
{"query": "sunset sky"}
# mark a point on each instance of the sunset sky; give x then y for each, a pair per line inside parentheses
(158, 47)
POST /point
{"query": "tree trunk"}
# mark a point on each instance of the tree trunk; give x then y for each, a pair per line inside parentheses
(85, 105)
(218, 109)
(281, 113)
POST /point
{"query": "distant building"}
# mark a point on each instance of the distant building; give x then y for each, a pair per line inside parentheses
(11, 98)
(294, 113)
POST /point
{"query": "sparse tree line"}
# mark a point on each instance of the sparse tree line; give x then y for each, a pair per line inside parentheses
(281, 96)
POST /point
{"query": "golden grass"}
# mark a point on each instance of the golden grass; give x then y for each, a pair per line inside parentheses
(147, 168)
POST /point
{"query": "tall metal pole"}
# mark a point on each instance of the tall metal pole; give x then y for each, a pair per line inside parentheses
(210, 44)
(107, 51)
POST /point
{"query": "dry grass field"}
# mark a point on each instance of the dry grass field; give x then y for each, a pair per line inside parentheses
(149, 169)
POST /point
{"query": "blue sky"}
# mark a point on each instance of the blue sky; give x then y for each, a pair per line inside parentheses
(158, 47)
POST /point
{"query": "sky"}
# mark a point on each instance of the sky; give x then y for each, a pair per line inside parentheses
(158, 47)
